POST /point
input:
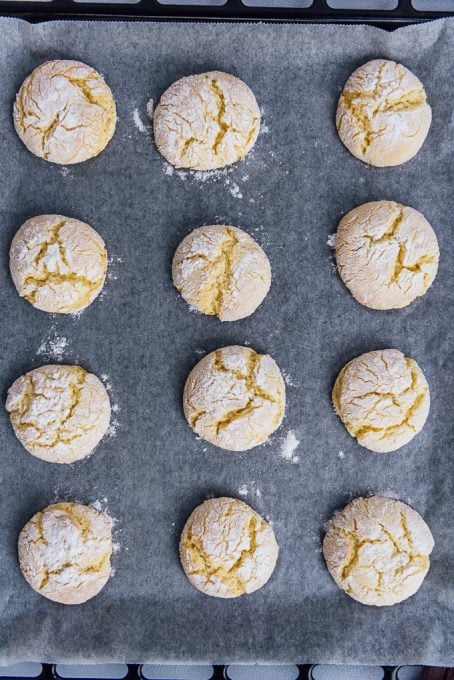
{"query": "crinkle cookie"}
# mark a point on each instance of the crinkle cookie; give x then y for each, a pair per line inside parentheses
(64, 112)
(234, 398)
(383, 116)
(206, 121)
(222, 271)
(58, 263)
(387, 254)
(59, 413)
(377, 550)
(227, 549)
(383, 399)
(64, 552)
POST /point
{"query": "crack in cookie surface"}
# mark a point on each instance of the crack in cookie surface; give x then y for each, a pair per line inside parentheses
(377, 550)
(387, 254)
(58, 264)
(227, 549)
(64, 552)
(383, 399)
(206, 121)
(59, 413)
(64, 112)
(383, 116)
(220, 270)
(235, 398)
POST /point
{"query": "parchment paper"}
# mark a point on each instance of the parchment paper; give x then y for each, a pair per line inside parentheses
(289, 194)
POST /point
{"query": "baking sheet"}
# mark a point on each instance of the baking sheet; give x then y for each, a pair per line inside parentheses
(289, 194)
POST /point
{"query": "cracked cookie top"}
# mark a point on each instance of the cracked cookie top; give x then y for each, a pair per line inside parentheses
(383, 116)
(59, 413)
(58, 263)
(222, 271)
(383, 399)
(64, 552)
(377, 550)
(387, 254)
(227, 549)
(234, 398)
(206, 121)
(64, 112)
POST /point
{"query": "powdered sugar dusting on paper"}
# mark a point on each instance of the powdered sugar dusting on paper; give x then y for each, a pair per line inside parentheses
(114, 424)
(341, 454)
(331, 242)
(150, 105)
(138, 121)
(53, 346)
(289, 380)
(288, 447)
(251, 488)
(112, 272)
(66, 172)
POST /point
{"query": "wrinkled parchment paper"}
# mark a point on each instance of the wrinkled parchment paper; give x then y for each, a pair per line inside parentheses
(141, 337)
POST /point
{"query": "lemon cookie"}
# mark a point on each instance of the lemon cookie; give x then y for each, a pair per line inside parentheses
(222, 271)
(206, 121)
(64, 112)
(383, 399)
(59, 413)
(64, 552)
(234, 398)
(377, 550)
(383, 116)
(58, 263)
(227, 549)
(386, 253)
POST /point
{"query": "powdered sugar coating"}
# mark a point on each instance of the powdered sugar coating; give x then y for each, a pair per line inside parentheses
(235, 398)
(58, 263)
(377, 550)
(64, 112)
(222, 271)
(206, 121)
(383, 399)
(227, 549)
(64, 552)
(59, 413)
(386, 253)
(383, 116)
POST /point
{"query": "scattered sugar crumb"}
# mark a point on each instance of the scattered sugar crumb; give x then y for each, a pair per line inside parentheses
(138, 121)
(243, 490)
(100, 505)
(106, 380)
(173, 524)
(264, 129)
(168, 169)
(66, 172)
(233, 188)
(150, 108)
(113, 428)
(289, 380)
(289, 446)
(341, 454)
(115, 548)
(199, 352)
(112, 262)
(115, 408)
(331, 242)
(54, 346)
(258, 493)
